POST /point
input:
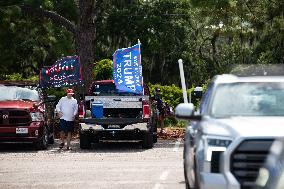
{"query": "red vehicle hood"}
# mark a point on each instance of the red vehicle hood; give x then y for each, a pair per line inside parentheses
(17, 104)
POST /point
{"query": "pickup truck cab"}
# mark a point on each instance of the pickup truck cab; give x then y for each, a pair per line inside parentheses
(112, 115)
(229, 137)
(23, 115)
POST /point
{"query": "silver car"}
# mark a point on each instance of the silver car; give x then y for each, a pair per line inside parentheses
(229, 137)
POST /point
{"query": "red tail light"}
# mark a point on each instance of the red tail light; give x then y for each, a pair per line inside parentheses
(146, 110)
(81, 110)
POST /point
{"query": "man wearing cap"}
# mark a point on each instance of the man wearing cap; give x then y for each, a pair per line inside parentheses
(67, 109)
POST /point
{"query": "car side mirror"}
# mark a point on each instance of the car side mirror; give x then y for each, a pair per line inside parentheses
(186, 111)
(197, 93)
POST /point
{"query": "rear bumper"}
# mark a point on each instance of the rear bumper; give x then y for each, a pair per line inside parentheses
(129, 132)
(112, 121)
(9, 135)
(18, 139)
(96, 127)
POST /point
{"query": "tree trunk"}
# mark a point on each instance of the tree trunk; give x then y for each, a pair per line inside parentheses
(85, 49)
(85, 40)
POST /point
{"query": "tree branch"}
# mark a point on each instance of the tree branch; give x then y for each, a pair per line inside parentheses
(56, 18)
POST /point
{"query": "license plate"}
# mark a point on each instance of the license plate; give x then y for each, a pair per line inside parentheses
(113, 127)
(22, 130)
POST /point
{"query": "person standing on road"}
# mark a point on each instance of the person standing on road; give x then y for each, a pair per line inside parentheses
(67, 109)
(160, 107)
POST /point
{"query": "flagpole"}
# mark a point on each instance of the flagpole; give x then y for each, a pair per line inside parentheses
(139, 44)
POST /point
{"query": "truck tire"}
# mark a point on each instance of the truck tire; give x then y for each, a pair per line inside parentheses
(85, 142)
(155, 138)
(147, 142)
(51, 139)
(155, 134)
(42, 143)
(51, 135)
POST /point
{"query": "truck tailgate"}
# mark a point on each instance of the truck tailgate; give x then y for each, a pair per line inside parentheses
(118, 101)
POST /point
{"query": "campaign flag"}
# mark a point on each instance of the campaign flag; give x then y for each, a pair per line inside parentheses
(127, 70)
(65, 72)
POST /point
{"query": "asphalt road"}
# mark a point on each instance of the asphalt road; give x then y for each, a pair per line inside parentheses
(106, 165)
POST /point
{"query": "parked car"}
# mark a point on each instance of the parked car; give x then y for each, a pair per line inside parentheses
(112, 115)
(271, 175)
(229, 137)
(24, 116)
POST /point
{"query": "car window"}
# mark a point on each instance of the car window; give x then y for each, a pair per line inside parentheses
(205, 99)
(109, 89)
(248, 99)
(18, 93)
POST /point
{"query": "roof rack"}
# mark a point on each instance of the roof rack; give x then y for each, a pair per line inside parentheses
(19, 83)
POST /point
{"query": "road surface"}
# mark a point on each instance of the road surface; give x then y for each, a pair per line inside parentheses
(106, 165)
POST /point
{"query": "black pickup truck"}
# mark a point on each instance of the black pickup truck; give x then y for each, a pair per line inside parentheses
(111, 115)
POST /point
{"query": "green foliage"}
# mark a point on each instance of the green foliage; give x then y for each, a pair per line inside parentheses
(13, 77)
(58, 92)
(27, 44)
(172, 95)
(103, 70)
(209, 35)
(19, 77)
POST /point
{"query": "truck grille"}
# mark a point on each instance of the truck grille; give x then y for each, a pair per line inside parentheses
(14, 118)
(247, 159)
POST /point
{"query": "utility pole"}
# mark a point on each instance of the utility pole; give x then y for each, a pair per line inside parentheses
(180, 62)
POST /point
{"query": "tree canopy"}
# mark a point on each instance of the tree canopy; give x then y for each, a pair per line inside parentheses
(209, 35)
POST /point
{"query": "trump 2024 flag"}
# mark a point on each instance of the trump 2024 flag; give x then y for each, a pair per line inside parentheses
(127, 70)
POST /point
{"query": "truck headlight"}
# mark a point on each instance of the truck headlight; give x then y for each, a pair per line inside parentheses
(218, 142)
(216, 145)
(36, 116)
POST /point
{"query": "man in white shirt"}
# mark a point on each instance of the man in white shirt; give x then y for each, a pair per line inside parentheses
(67, 109)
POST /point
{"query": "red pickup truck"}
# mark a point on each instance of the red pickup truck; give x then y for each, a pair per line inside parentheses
(24, 116)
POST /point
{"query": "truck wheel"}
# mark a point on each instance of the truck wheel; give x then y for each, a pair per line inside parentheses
(147, 142)
(190, 165)
(155, 138)
(43, 141)
(51, 136)
(85, 142)
(155, 135)
(185, 179)
(51, 139)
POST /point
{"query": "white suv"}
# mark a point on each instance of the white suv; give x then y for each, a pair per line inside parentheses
(230, 136)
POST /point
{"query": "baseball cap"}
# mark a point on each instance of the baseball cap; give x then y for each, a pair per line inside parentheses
(70, 91)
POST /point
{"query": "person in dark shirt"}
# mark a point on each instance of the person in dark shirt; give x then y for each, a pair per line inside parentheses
(160, 107)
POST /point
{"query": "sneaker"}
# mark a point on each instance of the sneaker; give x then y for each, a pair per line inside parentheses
(68, 148)
(61, 145)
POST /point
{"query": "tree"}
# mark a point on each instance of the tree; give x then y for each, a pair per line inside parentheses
(26, 45)
(103, 70)
(84, 31)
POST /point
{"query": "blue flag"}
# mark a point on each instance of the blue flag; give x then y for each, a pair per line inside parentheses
(127, 70)
(65, 72)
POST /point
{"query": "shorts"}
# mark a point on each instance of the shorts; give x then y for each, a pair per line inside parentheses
(66, 126)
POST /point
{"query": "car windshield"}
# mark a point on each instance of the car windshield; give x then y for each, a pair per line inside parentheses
(18, 93)
(248, 99)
